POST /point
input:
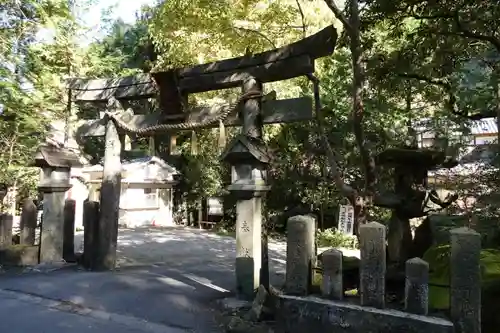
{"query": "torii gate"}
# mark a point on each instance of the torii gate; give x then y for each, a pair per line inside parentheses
(247, 152)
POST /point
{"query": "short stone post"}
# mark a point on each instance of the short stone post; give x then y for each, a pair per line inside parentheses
(417, 286)
(90, 225)
(28, 222)
(332, 286)
(299, 254)
(69, 231)
(465, 298)
(5, 230)
(373, 264)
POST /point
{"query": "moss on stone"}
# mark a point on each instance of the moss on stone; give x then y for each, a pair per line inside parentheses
(438, 258)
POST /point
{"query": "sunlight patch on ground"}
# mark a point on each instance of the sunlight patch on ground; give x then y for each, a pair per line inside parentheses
(174, 282)
(205, 282)
(165, 239)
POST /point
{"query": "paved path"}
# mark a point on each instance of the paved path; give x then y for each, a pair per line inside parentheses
(167, 281)
(168, 277)
(28, 314)
(187, 249)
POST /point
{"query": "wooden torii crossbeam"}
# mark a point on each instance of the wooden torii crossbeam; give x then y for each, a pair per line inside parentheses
(283, 63)
(247, 153)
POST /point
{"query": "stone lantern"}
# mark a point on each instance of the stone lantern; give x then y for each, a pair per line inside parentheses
(248, 158)
(411, 196)
(55, 164)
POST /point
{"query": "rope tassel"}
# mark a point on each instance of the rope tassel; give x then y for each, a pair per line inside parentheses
(222, 135)
(127, 143)
(194, 143)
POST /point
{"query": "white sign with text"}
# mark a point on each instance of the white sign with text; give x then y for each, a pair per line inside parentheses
(346, 219)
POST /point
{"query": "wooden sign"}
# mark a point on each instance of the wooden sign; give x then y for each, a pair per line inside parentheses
(215, 207)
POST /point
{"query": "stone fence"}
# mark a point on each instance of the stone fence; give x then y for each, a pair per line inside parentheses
(299, 311)
(51, 242)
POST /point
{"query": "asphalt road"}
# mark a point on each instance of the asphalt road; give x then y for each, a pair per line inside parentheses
(26, 314)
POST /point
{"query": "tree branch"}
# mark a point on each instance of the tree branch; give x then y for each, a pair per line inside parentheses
(339, 15)
(439, 82)
(357, 97)
(303, 18)
(257, 33)
(346, 190)
(469, 34)
(462, 31)
(451, 102)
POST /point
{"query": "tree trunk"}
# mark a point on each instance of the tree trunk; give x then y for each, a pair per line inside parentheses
(399, 239)
(361, 201)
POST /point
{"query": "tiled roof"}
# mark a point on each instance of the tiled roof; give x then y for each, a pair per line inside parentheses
(136, 163)
(478, 127)
(484, 126)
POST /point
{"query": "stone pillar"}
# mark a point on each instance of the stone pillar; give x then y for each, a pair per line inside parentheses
(6, 230)
(69, 231)
(332, 286)
(90, 225)
(248, 245)
(51, 244)
(247, 154)
(107, 236)
(417, 286)
(28, 222)
(373, 264)
(465, 281)
(299, 254)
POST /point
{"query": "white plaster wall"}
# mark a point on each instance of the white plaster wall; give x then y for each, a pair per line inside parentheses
(137, 218)
(79, 193)
(165, 214)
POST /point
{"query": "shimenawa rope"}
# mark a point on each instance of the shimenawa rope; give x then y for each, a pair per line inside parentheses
(115, 116)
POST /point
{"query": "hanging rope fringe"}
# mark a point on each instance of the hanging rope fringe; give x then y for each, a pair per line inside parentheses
(151, 146)
(127, 143)
(194, 143)
(222, 135)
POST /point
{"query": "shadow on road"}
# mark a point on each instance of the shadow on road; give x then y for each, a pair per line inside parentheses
(167, 276)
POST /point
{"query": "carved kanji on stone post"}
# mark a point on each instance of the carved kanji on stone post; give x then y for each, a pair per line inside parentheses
(247, 154)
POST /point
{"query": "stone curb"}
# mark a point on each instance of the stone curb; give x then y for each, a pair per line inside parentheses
(65, 306)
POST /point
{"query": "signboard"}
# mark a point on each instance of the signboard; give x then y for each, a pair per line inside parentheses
(215, 206)
(346, 219)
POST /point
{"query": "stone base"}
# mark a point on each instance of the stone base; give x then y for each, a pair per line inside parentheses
(311, 314)
(234, 304)
(19, 255)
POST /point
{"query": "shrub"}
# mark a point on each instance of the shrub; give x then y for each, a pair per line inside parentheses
(334, 238)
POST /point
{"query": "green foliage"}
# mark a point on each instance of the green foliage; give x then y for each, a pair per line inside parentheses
(336, 239)
(398, 38)
(187, 32)
(31, 94)
(438, 258)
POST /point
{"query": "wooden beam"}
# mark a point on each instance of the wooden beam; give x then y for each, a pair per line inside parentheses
(124, 92)
(269, 72)
(315, 46)
(274, 111)
(274, 65)
(99, 84)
